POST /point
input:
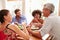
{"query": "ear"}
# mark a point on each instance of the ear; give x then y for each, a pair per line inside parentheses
(5, 17)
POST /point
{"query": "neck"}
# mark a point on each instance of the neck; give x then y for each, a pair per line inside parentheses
(48, 15)
(5, 23)
(17, 17)
(3, 26)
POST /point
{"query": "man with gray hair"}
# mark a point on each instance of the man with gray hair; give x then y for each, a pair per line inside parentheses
(51, 24)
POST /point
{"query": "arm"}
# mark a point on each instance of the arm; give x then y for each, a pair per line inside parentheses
(24, 19)
(24, 29)
(47, 26)
(34, 33)
(36, 23)
(18, 31)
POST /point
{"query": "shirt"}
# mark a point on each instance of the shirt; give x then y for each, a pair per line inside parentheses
(22, 19)
(51, 26)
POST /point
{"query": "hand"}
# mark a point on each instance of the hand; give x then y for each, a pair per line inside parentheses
(16, 23)
(29, 29)
(38, 25)
(19, 37)
(24, 25)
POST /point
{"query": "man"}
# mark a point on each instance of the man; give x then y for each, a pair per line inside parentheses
(51, 24)
(19, 18)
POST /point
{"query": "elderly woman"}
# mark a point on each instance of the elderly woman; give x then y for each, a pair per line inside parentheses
(8, 30)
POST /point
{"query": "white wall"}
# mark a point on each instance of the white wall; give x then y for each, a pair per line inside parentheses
(2, 4)
(28, 11)
(59, 8)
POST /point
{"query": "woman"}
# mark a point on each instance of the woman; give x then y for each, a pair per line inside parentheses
(8, 30)
(37, 21)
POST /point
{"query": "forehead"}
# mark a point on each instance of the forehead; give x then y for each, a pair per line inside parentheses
(18, 11)
(45, 9)
(9, 13)
(37, 14)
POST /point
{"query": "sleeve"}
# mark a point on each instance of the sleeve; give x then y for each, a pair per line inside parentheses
(24, 19)
(12, 20)
(46, 27)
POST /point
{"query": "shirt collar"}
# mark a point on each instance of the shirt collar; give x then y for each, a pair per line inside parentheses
(52, 14)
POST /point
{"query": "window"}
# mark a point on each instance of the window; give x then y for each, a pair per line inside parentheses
(12, 5)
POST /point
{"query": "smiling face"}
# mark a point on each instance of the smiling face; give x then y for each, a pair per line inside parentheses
(18, 14)
(37, 16)
(5, 16)
(46, 12)
(8, 17)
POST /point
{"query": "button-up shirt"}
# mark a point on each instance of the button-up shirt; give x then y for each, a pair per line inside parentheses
(22, 19)
(52, 26)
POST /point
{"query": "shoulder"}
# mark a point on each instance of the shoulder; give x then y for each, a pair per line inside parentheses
(33, 20)
(12, 26)
(41, 20)
(23, 17)
(52, 19)
(13, 18)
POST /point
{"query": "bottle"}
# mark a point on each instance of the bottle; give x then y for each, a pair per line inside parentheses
(20, 26)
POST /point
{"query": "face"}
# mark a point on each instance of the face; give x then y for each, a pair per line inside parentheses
(46, 12)
(37, 16)
(8, 18)
(18, 14)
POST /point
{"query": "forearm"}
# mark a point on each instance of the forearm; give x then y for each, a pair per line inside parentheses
(25, 31)
(23, 34)
(38, 25)
(36, 34)
(18, 31)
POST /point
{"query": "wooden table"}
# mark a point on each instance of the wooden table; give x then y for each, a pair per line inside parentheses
(34, 38)
(31, 38)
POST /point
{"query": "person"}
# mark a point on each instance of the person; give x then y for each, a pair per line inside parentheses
(37, 18)
(18, 18)
(7, 30)
(51, 24)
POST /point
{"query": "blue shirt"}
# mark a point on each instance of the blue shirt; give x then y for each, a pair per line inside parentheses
(22, 19)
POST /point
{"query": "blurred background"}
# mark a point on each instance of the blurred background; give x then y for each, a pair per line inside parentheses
(27, 6)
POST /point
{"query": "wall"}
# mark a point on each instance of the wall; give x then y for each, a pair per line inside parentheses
(2, 4)
(59, 8)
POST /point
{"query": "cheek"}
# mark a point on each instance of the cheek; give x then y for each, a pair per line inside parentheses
(44, 14)
(10, 18)
(36, 16)
(18, 14)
